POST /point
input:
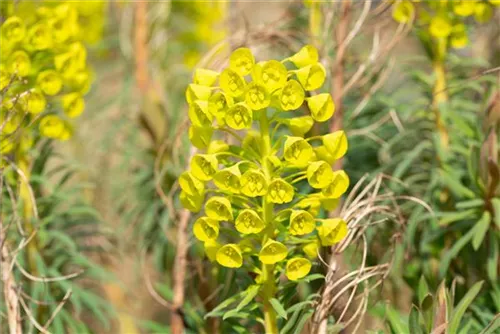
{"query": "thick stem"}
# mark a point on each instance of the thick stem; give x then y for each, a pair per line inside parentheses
(25, 195)
(269, 290)
(439, 95)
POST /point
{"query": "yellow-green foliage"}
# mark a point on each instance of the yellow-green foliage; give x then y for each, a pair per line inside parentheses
(252, 211)
(44, 68)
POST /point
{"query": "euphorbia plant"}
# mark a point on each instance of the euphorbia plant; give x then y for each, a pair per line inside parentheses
(254, 217)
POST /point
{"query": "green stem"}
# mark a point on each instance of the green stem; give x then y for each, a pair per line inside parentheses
(440, 96)
(269, 290)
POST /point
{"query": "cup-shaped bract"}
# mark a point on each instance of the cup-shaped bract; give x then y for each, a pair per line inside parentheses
(321, 107)
(206, 229)
(332, 231)
(301, 222)
(291, 96)
(190, 184)
(319, 174)
(219, 208)
(307, 55)
(336, 144)
(205, 77)
(199, 136)
(297, 268)
(257, 97)
(297, 151)
(249, 221)
(232, 83)
(312, 76)
(272, 252)
(230, 256)
(338, 185)
(242, 61)
(228, 179)
(253, 183)
(239, 116)
(279, 192)
(199, 115)
(299, 126)
(204, 166)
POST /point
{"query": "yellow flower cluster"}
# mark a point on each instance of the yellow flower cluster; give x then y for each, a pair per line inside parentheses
(43, 66)
(444, 19)
(251, 186)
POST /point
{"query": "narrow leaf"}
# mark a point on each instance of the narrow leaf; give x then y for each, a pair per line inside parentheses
(459, 311)
(453, 251)
(414, 324)
(249, 294)
(480, 230)
(278, 308)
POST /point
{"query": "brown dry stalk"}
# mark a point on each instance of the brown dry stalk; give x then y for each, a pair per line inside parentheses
(141, 45)
(9, 288)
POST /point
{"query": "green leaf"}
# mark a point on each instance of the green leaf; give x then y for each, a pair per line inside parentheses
(453, 252)
(459, 311)
(217, 310)
(414, 324)
(455, 186)
(448, 218)
(313, 277)
(249, 295)
(423, 290)
(473, 203)
(493, 258)
(496, 207)
(300, 325)
(480, 230)
(278, 308)
(235, 314)
(395, 321)
(493, 326)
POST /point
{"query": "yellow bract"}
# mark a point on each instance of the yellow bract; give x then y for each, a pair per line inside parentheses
(219, 208)
(301, 222)
(311, 249)
(40, 36)
(191, 185)
(257, 97)
(297, 151)
(308, 55)
(200, 137)
(332, 231)
(204, 166)
(439, 27)
(228, 179)
(73, 104)
(218, 105)
(311, 77)
(205, 77)
(338, 185)
(279, 192)
(206, 229)
(241, 61)
(49, 82)
(197, 92)
(211, 248)
(230, 256)
(403, 11)
(319, 174)
(253, 183)
(33, 101)
(459, 37)
(273, 75)
(19, 63)
(336, 144)
(239, 116)
(199, 115)
(232, 83)
(311, 203)
(482, 12)
(321, 107)
(192, 203)
(13, 29)
(272, 252)
(52, 126)
(299, 126)
(464, 7)
(291, 96)
(297, 268)
(248, 221)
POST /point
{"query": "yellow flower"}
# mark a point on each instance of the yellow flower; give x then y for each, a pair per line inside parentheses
(53, 127)
(49, 82)
(464, 7)
(204, 166)
(199, 115)
(297, 151)
(301, 223)
(40, 36)
(241, 61)
(192, 203)
(279, 192)
(482, 12)
(272, 252)
(211, 248)
(459, 37)
(439, 27)
(248, 221)
(218, 105)
(311, 77)
(206, 229)
(257, 96)
(319, 174)
(253, 183)
(297, 268)
(191, 185)
(299, 126)
(20, 63)
(495, 2)
(205, 77)
(197, 92)
(11, 122)
(403, 11)
(200, 137)
(239, 116)
(321, 107)
(33, 101)
(330, 204)
(73, 104)
(13, 29)
(4, 77)
(332, 231)
(336, 144)
(308, 55)
(217, 146)
(232, 83)
(6, 146)
(311, 249)
(272, 74)
(228, 179)
(219, 208)
(311, 203)
(230, 256)
(291, 96)
(338, 185)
